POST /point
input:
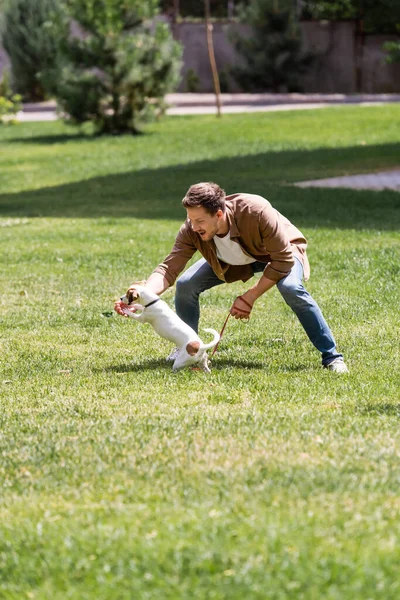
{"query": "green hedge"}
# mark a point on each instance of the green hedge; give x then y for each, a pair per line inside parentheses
(195, 8)
(377, 16)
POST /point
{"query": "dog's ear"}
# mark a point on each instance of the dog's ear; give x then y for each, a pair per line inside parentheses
(132, 295)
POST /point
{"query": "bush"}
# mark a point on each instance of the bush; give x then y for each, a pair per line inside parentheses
(393, 50)
(5, 85)
(273, 58)
(117, 71)
(195, 8)
(8, 108)
(376, 17)
(30, 37)
(10, 104)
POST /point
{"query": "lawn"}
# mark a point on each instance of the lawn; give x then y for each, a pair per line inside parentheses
(271, 478)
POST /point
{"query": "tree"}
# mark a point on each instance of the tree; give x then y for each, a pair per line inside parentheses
(31, 40)
(393, 50)
(10, 103)
(117, 70)
(272, 53)
(376, 17)
(213, 65)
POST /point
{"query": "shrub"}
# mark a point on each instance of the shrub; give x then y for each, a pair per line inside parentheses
(393, 50)
(376, 17)
(8, 108)
(272, 54)
(195, 8)
(5, 84)
(117, 71)
(10, 104)
(192, 81)
(31, 39)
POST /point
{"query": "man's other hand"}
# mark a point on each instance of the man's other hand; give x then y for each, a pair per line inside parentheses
(241, 308)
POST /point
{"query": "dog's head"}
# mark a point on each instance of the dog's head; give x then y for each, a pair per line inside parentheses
(133, 294)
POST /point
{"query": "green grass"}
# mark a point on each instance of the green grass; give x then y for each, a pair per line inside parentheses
(269, 479)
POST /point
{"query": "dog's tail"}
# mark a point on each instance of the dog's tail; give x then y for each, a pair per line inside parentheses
(214, 342)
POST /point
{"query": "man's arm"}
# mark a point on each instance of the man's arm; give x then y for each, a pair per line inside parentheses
(176, 260)
(157, 283)
(275, 239)
(166, 273)
(276, 242)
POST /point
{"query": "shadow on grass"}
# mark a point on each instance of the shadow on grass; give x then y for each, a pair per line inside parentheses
(215, 364)
(50, 140)
(220, 363)
(157, 193)
(381, 409)
(154, 364)
(164, 365)
(65, 138)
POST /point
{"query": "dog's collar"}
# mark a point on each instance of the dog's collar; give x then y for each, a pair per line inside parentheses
(153, 302)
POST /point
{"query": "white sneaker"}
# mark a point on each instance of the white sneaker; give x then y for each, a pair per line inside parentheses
(337, 366)
(172, 356)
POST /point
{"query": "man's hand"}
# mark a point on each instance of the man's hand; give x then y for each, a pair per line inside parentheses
(241, 308)
(120, 308)
(243, 305)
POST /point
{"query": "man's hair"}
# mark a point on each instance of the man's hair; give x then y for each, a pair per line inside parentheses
(207, 195)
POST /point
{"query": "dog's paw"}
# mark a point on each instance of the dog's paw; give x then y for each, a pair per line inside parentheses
(173, 355)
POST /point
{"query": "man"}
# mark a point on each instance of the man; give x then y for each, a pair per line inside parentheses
(239, 235)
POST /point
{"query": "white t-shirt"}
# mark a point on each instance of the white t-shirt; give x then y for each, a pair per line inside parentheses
(231, 252)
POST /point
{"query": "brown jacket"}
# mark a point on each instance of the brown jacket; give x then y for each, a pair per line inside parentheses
(262, 233)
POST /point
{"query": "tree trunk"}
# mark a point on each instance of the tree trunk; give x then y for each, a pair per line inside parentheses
(211, 55)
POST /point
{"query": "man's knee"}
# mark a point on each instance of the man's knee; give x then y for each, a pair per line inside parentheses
(184, 286)
(291, 288)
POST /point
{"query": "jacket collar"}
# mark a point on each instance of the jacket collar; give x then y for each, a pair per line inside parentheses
(233, 229)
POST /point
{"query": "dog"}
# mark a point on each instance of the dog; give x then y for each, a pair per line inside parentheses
(153, 310)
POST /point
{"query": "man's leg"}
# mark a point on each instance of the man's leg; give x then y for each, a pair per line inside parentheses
(189, 286)
(308, 313)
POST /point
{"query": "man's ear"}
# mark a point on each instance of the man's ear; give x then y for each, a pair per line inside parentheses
(220, 213)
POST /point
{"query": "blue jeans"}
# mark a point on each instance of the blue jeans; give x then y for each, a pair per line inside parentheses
(200, 277)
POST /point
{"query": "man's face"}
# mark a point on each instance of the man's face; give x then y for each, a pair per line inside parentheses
(204, 224)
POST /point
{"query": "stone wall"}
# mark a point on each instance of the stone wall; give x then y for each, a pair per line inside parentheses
(334, 67)
(377, 75)
(344, 63)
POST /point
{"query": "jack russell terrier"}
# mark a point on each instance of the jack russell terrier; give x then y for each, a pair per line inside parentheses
(153, 310)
